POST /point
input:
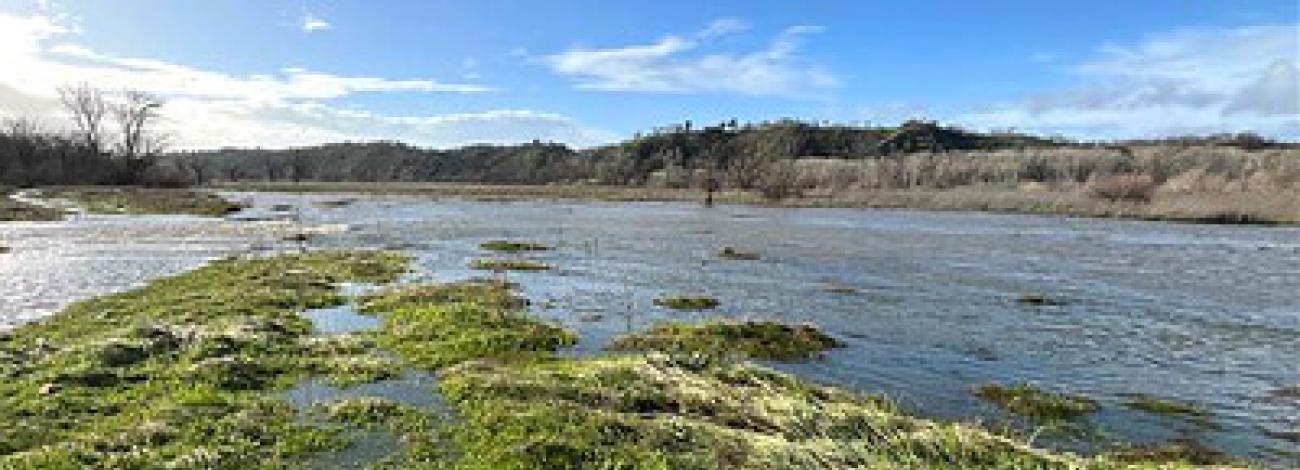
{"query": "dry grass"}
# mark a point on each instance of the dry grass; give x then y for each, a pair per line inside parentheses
(1192, 184)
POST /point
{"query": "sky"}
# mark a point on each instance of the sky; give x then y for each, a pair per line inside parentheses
(586, 72)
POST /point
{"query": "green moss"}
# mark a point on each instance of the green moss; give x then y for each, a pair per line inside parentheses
(437, 326)
(136, 200)
(732, 253)
(181, 372)
(508, 265)
(688, 302)
(1030, 401)
(1165, 406)
(509, 246)
(754, 339)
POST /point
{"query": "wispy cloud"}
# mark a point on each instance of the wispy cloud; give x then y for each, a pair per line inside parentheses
(292, 106)
(312, 23)
(674, 65)
(724, 27)
(1186, 81)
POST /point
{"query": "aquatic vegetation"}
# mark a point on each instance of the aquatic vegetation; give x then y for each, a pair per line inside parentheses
(1179, 451)
(1039, 300)
(1287, 392)
(509, 246)
(841, 289)
(438, 326)
(650, 411)
(180, 372)
(490, 293)
(732, 253)
(1032, 402)
(335, 203)
(1165, 406)
(688, 302)
(138, 200)
(754, 339)
(508, 265)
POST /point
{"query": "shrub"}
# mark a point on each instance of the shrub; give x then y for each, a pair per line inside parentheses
(1133, 187)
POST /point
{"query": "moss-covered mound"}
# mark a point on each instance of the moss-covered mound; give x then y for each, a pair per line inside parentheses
(683, 302)
(437, 326)
(1032, 402)
(136, 200)
(181, 373)
(508, 265)
(510, 246)
(754, 339)
(490, 293)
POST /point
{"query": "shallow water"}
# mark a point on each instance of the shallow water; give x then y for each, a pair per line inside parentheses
(1203, 313)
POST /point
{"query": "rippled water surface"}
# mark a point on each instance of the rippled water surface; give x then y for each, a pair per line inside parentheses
(927, 302)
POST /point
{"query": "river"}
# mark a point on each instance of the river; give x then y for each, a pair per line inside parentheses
(927, 302)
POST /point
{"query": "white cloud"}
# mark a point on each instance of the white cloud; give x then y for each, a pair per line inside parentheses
(206, 108)
(312, 23)
(1187, 81)
(669, 66)
(724, 27)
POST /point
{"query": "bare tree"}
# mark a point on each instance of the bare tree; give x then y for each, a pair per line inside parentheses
(141, 143)
(88, 107)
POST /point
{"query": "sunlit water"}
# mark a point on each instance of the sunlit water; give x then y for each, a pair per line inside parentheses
(1209, 314)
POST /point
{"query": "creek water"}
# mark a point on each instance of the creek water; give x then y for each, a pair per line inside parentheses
(926, 302)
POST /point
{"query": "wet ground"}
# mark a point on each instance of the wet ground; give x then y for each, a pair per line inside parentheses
(927, 302)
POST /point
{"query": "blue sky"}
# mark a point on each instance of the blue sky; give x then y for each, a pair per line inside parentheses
(444, 73)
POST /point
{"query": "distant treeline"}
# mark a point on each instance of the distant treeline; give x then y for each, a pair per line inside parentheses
(730, 155)
(113, 141)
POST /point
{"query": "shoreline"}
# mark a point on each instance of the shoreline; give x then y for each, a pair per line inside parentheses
(1210, 209)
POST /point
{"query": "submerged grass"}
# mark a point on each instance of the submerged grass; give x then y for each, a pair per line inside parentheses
(1032, 402)
(753, 339)
(509, 265)
(181, 373)
(510, 246)
(137, 200)
(1166, 406)
(733, 253)
(685, 302)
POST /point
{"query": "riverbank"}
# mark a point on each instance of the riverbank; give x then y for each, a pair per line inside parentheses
(138, 200)
(191, 372)
(13, 210)
(1237, 207)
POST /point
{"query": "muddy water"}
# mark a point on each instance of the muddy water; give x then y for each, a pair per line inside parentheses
(927, 302)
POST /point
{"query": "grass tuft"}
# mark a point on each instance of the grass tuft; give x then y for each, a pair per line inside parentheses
(509, 265)
(732, 253)
(441, 325)
(508, 246)
(1182, 451)
(1029, 401)
(688, 302)
(753, 339)
(1165, 406)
